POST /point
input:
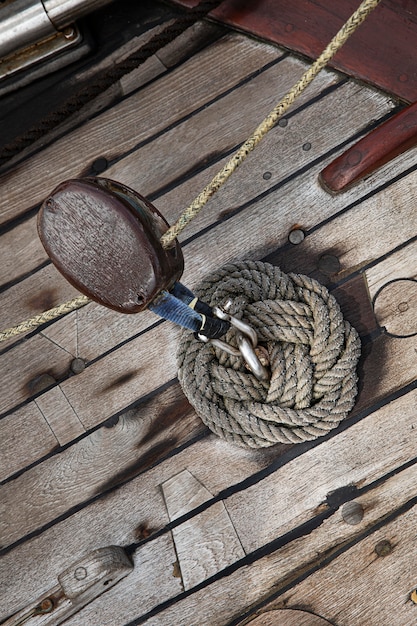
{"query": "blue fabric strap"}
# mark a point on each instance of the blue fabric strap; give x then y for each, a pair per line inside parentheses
(174, 306)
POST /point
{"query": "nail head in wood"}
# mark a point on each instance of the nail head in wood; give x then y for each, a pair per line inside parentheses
(383, 548)
(42, 382)
(352, 513)
(329, 264)
(296, 236)
(77, 365)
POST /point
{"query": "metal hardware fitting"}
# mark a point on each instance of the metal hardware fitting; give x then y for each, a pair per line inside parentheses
(32, 31)
(246, 338)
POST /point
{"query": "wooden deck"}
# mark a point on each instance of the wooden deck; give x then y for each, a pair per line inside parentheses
(115, 455)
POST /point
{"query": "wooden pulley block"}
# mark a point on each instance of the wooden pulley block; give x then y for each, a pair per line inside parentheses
(105, 239)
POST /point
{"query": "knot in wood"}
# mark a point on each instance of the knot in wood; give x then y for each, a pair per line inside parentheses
(313, 354)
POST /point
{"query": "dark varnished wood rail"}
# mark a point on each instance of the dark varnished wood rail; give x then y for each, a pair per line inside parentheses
(380, 146)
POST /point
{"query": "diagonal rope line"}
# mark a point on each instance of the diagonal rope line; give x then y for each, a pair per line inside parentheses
(356, 19)
(269, 122)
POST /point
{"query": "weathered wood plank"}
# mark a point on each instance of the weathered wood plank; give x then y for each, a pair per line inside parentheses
(111, 456)
(396, 307)
(152, 576)
(352, 458)
(138, 506)
(17, 448)
(141, 512)
(376, 589)
(60, 415)
(401, 264)
(226, 599)
(278, 163)
(204, 545)
(225, 124)
(16, 303)
(43, 290)
(291, 499)
(21, 251)
(358, 241)
(205, 76)
(21, 373)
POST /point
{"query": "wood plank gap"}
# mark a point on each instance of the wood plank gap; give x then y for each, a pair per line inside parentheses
(295, 174)
(303, 530)
(372, 193)
(108, 422)
(227, 153)
(289, 455)
(23, 277)
(286, 457)
(193, 113)
(385, 521)
(372, 263)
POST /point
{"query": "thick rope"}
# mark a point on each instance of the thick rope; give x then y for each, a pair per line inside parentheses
(43, 318)
(269, 122)
(312, 351)
(336, 43)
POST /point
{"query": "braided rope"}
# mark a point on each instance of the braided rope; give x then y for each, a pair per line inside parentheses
(269, 122)
(43, 318)
(313, 354)
(195, 207)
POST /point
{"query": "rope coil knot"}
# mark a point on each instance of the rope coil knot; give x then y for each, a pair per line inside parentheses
(312, 352)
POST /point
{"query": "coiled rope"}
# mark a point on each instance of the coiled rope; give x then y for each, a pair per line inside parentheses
(312, 352)
(195, 207)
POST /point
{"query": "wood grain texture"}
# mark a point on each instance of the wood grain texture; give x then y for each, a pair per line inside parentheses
(113, 485)
(111, 456)
(396, 307)
(204, 76)
(218, 128)
(288, 617)
(20, 373)
(130, 513)
(400, 264)
(290, 502)
(60, 415)
(266, 510)
(17, 447)
(376, 590)
(224, 246)
(251, 585)
(78, 585)
(207, 543)
(380, 52)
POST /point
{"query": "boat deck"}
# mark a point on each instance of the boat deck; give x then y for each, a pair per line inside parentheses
(115, 455)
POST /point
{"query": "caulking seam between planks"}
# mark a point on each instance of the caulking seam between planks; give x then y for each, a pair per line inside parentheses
(304, 529)
(185, 118)
(332, 287)
(346, 278)
(185, 177)
(249, 203)
(286, 457)
(9, 224)
(323, 562)
(303, 170)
